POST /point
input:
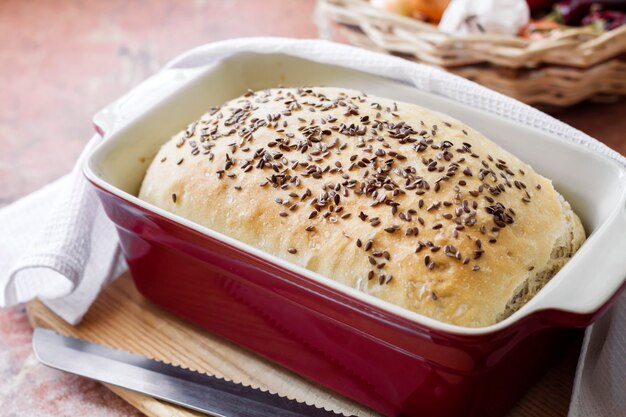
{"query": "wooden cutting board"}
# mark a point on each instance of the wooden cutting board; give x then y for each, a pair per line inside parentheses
(123, 319)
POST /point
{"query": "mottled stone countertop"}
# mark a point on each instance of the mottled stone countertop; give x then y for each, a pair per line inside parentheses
(60, 63)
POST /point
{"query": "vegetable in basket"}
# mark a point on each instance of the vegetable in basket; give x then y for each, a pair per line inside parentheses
(501, 17)
(573, 12)
(431, 10)
(510, 17)
(605, 19)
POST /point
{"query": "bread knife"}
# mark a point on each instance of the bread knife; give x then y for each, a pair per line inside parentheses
(187, 388)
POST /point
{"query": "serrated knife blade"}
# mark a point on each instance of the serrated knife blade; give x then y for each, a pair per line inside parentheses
(187, 388)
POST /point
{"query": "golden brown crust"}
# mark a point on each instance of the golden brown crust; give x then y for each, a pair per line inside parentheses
(401, 202)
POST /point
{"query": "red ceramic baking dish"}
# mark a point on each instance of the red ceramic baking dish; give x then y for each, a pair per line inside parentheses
(390, 359)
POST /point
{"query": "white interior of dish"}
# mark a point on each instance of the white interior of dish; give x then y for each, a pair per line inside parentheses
(593, 184)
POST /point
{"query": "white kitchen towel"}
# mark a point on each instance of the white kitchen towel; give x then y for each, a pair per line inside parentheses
(600, 384)
(58, 245)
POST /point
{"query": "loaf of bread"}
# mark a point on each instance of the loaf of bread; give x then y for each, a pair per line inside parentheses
(392, 199)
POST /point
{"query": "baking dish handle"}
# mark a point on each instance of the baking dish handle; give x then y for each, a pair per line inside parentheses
(589, 283)
(140, 99)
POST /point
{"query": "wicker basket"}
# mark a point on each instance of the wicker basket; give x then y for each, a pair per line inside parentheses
(564, 69)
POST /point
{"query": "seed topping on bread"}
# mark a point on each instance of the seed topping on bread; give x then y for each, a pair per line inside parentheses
(302, 164)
